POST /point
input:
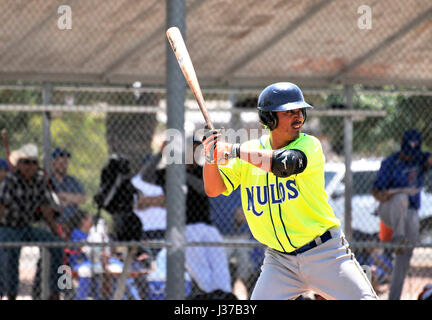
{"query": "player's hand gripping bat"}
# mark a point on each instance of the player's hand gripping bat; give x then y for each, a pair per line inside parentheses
(185, 62)
(268, 160)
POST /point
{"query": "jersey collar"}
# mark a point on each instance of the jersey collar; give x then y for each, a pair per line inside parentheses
(265, 141)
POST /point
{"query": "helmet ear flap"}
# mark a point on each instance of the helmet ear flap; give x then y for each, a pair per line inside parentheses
(268, 118)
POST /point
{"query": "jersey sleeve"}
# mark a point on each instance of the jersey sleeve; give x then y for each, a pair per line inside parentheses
(311, 147)
(230, 174)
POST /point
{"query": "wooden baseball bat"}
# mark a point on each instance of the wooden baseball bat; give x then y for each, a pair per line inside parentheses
(179, 47)
(259, 158)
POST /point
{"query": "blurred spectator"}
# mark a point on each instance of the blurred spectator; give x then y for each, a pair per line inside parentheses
(208, 266)
(68, 188)
(78, 258)
(397, 188)
(150, 209)
(22, 193)
(4, 168)
(89, 263)
(93, 265)
(70, 194)
(379, 263)
(151, 202)
(245, 261)
(379, 260)
(118, 196)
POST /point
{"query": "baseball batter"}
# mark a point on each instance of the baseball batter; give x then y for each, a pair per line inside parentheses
(281, 177)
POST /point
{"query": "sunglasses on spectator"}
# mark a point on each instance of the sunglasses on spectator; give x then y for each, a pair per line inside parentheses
(28, 161)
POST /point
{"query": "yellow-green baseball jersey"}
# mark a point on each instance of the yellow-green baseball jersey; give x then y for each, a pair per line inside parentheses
(283, 213)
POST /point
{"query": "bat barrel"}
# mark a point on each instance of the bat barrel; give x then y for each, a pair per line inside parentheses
(179, 47)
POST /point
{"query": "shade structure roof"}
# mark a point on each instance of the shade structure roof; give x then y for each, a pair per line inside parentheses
(241, 43)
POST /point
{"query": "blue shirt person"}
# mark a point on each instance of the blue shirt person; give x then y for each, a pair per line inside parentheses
(397, 189)
(4, 168)
(404, 169)
(69, 189)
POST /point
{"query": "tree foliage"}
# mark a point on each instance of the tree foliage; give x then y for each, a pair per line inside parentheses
(379, 136)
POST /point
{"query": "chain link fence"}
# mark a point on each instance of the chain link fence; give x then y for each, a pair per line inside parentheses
(134, 227)
(89, 126)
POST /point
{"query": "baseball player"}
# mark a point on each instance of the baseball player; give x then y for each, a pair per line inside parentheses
(281, 177)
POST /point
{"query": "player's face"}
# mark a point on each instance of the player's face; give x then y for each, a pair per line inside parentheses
(290, 122)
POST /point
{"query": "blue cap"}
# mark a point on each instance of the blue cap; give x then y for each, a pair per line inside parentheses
(59, 152)
(411, 142)
(4, 165)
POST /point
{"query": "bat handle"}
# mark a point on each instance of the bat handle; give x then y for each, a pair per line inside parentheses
(210, 126)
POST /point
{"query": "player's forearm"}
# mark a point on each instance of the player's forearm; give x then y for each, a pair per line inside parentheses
(213, 182)
(258, 157)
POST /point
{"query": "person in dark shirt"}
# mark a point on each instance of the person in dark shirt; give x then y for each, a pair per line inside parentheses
(197, 203)
(207, 265)
(68, 188)
(23, 192)
(397, 189)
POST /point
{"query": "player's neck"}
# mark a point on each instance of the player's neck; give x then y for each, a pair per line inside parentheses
(279, 140)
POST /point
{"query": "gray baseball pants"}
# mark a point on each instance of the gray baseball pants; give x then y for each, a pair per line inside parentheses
(329, 269)
(405, 224)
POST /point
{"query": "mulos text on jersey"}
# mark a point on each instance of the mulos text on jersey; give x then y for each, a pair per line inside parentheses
(273, 193)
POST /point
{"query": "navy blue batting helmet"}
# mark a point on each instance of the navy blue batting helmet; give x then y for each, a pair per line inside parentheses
(280, 96)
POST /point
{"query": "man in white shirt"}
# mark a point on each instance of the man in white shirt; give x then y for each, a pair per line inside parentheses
(151, 207)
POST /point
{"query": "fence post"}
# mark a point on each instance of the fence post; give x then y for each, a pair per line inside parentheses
(46, 147)
(45, 272)
(348, 147)
(175, 180)
(46, 124)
